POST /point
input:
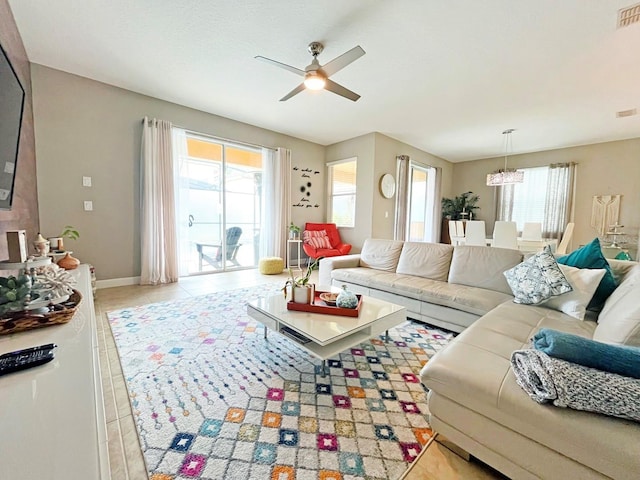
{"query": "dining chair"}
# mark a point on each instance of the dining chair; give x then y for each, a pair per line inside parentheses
(476, 233)
(456, 239)
(566, 238)
(532, 231)
(505, 235)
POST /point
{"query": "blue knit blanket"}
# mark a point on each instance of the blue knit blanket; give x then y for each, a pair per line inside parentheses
(618, 359)
(546, 379)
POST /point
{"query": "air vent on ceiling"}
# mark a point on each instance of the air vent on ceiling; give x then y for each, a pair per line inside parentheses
(626, 113)
(629, 16)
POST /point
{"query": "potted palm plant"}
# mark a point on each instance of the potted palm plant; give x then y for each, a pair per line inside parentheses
(456, 208)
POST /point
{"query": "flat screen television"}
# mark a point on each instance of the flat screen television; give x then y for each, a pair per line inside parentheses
(11, 107)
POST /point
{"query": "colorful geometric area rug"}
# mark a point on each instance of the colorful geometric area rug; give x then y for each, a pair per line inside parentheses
(213, 399)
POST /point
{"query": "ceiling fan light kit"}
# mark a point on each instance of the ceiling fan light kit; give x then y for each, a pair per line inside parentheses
(505, 176)
(314, 81)
(316, 76)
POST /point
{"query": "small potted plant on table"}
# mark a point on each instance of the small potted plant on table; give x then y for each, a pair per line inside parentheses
(301, 290)
(294, 232)
(57, 243)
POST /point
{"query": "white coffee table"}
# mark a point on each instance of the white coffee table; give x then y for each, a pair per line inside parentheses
(327, 335)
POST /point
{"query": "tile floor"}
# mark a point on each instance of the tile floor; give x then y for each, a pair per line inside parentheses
(125, 455)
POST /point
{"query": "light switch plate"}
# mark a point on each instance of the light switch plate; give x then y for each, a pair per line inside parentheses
(86, 181)
(88, 205)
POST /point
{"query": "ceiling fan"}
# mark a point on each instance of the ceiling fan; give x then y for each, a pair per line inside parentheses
(316, 76)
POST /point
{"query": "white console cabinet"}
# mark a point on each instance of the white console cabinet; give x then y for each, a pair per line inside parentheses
(52, 421)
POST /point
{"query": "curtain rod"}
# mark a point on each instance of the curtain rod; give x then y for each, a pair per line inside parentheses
(228, 140)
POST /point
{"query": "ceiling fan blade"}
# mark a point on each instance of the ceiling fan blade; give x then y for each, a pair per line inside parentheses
(340, 90)
(293, 92)
(282, 65)
(343, 60)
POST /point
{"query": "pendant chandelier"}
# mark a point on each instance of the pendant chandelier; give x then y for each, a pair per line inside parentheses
(505, 176)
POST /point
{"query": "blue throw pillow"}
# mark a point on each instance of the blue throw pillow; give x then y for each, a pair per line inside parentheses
(590, 256)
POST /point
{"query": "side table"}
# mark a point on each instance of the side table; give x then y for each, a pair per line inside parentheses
(290, 263)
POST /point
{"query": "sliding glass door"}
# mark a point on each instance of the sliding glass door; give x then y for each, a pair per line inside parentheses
(219, 203)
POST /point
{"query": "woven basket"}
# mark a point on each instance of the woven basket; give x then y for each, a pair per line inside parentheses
(26, 320)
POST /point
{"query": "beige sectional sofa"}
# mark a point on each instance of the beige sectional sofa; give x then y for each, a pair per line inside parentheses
(474, 399)
(475, 402)
(450, 287)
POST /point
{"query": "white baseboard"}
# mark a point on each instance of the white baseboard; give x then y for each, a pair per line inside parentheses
(117, 282)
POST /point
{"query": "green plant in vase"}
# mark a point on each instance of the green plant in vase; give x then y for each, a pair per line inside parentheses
(57, 243)
(294, 231)
(301, 290)
(461, 207)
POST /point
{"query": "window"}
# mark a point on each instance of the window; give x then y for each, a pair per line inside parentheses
(529, 197)
(342, 192)
(546, 196)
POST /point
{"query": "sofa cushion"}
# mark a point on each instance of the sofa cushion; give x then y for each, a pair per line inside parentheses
(316, 238)
(584, 282)
(428, 260)
(483, 267)
(619, 320)
(380, 254)
(473, 300)
(590, 256)
(537, 279)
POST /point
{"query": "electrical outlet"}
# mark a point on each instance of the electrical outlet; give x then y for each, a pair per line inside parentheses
(86, 181)
(88, 205)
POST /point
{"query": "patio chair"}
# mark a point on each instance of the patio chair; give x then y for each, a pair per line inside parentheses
(232, 237)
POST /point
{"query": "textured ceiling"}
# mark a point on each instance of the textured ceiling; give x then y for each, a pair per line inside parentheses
(445, 77)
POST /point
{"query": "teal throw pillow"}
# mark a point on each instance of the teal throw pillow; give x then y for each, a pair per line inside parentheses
(590, 256)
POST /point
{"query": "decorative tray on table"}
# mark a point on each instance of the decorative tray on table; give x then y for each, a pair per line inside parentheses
(320, 306)
(50, 314)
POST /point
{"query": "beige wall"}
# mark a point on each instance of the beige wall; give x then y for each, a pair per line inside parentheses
(376, 155)
(87, 128)
(603, 169)
(387, 149)
(363, 148)
(24, 211)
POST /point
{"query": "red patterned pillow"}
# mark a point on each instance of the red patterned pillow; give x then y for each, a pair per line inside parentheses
(316, 238)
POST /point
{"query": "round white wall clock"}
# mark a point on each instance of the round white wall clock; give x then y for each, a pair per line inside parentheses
(387, 185)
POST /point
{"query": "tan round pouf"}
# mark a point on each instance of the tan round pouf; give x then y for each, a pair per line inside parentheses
(271, 265)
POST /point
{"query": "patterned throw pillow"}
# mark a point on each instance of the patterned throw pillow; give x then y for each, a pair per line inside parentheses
(316, 238)
(537, 279)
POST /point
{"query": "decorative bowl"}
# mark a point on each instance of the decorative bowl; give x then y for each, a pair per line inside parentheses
(329, 298)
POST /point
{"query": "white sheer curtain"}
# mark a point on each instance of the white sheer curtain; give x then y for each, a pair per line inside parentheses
(558, 209)
(276, 205)
(402, 197)
(159, 258)
(434, 205)
(504, 202)
(181, 170)
(270, 200)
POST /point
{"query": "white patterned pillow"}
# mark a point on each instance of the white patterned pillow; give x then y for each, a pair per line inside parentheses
(316, 238)
(537, 279)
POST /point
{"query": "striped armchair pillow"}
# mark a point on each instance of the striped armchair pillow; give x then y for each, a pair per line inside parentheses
(316, 238)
